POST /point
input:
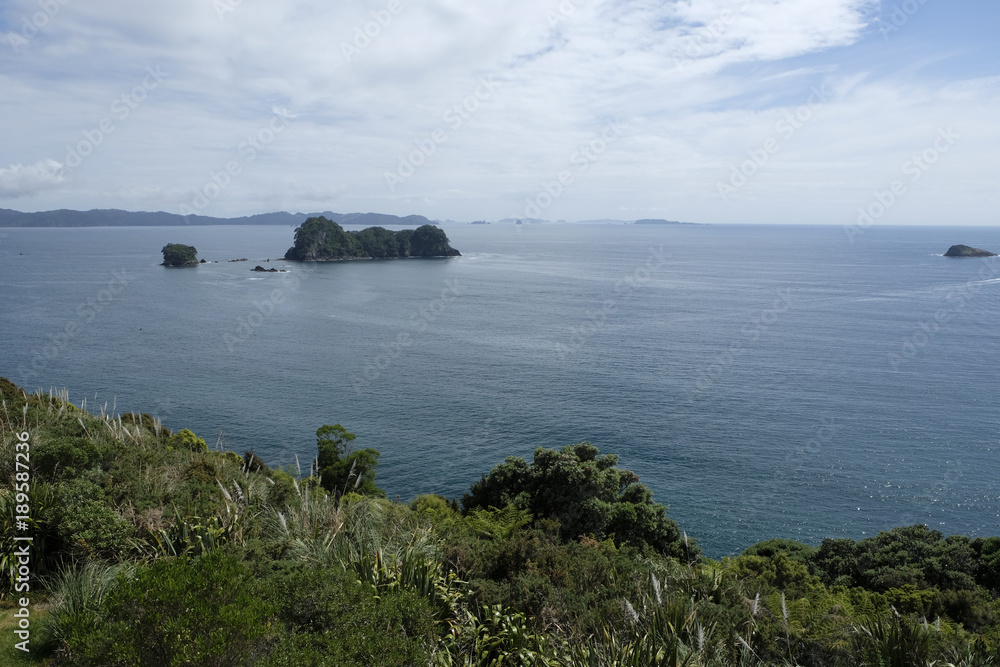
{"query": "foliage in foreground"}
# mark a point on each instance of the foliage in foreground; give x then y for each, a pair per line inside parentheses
(587, 495)
(152, 549)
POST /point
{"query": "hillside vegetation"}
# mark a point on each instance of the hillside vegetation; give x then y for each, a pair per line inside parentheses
(151, 548)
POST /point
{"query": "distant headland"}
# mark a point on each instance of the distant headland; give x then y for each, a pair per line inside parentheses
(119, 218)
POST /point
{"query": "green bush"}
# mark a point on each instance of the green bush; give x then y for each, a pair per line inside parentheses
(201, 471)
(341, 469)
(587, 495)
(175, 612)
(64, 456)
(329, 618)
(187, 440)
(283, 491)
(908, 555)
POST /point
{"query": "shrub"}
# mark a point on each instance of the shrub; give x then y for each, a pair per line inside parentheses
(342, 470)
(283, 492)
(64, 456)
(330, 618)
(586, 494)
(187, 440)
(175, 612)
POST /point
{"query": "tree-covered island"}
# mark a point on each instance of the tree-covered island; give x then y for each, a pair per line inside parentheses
(323, 240)
(178, 254)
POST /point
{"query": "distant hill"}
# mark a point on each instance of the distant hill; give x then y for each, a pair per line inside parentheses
(119, 218)
(658, 221)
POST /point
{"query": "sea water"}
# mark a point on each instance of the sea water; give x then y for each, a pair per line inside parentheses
(763, 381)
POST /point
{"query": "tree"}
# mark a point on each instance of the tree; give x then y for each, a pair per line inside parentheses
(586, 494)
(178, 254)
(906, 555)
(342, 470)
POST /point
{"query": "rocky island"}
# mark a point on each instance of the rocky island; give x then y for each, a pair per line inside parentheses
(323, 240)
(967, 251)
(178, 254)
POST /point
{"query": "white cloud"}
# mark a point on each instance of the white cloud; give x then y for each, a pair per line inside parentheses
(698, 83)
(19, 180)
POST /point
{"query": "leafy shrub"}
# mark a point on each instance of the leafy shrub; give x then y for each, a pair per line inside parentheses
(432, 505)
(909, 555)
(586, 494)
(253, 463)
(341, 469)
(797, 551)
(175, 612)
(283, 492)
(64, 456)
(329, 618)
(95, 529)
(201, 471)
(187, 440)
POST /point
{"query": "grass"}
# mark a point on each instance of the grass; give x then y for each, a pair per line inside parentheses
(8, 624)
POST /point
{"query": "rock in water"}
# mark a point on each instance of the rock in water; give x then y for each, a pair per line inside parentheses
(967, 251)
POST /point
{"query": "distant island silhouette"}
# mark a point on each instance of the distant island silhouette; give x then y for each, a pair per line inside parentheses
(968, 251)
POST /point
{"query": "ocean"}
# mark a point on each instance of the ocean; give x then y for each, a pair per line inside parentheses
(763, 381)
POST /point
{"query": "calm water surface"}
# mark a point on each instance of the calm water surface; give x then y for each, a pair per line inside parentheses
(763, 381)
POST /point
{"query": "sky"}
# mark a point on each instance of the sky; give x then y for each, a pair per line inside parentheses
(715, 111)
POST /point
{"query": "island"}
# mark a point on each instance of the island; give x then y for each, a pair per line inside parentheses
(320, 239)
(178, 254)
(968, 251)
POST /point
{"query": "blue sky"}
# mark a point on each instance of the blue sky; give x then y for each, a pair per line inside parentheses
(743, 111)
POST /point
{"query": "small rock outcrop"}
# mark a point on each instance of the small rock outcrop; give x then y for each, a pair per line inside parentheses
(967, 251)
